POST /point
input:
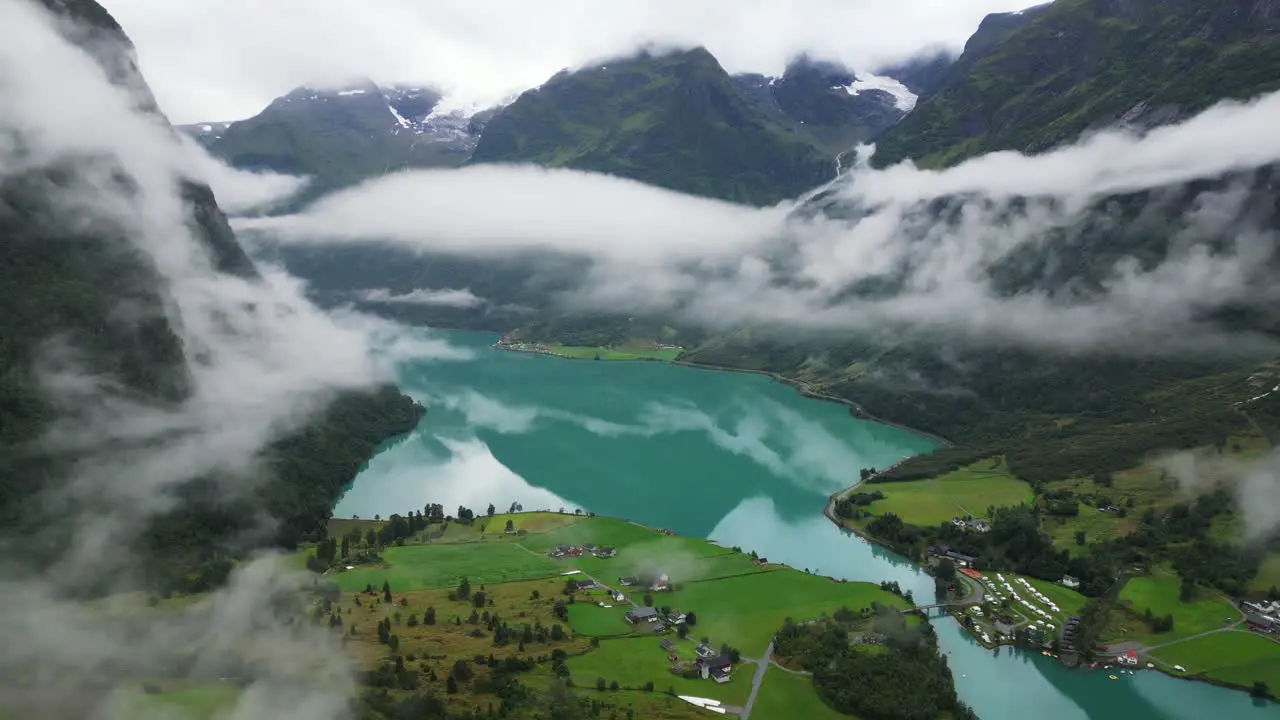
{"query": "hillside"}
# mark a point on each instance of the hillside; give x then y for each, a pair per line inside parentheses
(340, 136)
(676, 121)
(828, 103)
(1030, 81)
(81, 296)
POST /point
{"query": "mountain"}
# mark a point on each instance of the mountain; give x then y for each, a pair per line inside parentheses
(77, 290)
(831, 105)
(920, 74)
(1033, 80)
(342, 135)
(674, 120)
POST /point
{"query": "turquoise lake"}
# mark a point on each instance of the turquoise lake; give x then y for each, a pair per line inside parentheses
(733, 457)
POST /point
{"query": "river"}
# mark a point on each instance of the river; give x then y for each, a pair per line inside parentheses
(733, 457)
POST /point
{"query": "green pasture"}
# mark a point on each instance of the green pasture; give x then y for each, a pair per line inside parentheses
(1239, 657)
(443, 565)
(967, 491)
(634, 661)
(1159, 593)
(746, 611)
(787, 696)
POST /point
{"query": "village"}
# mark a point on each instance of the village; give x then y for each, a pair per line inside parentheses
(1000, 608)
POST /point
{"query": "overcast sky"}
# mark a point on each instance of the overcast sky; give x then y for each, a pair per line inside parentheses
(226, 59)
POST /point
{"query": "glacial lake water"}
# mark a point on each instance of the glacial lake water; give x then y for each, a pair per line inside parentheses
(733, 457)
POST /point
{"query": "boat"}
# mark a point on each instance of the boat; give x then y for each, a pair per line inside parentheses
(1112, 677)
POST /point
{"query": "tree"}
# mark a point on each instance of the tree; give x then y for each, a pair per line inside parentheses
(601, 684)
(371, 537)
(613, 685)
(1187, 590)
(413, 620)
(451, 685)
(478, 599)
(1080, 537)
(648, 600)
(1260, 690)
(946, 570)
(491, 510)
(510, 526)
(464, 589)
(535, 595)
(682, 631)
(393, 642)
(346, 546)
(691, 619)
(557, 632)
(429, 617)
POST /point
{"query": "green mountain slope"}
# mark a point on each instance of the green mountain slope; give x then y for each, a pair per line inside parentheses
(340, 136)
(69, 283)
(1038, 79)
(676, 121)
(814, 98)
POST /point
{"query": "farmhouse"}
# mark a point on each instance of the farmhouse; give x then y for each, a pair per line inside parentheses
(605, 552)
(715, 668)
(704, 651)
(661, 584)
(641, 614)
(628, 580)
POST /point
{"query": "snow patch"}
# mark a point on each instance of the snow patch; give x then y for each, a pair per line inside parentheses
(351, 92)
(207, 128)
(903, 99)
(399, 118)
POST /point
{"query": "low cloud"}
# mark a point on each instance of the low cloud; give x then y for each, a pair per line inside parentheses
(238, 191)
(257, 361)
(879, 250)
(447, 297)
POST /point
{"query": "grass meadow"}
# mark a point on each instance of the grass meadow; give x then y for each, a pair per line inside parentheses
(967, 491)
(443, 565)
(1159, 594)
(1238, 657)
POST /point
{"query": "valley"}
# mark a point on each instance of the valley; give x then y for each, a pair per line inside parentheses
(777, 516)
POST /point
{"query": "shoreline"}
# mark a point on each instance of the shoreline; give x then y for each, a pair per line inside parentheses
(807, 390)
(799, 386)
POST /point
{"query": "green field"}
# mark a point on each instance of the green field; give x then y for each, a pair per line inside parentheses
(633, 349)
(1238, 657)
(967, 491)
(530, 522)
(443, 565)
(1159, 593)
(785, 696)
(746, 611)
(634, 661)
(587, 618)
(598, 530)
(192, 701)
(1268, 573)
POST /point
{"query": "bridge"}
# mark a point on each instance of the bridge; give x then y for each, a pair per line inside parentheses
(922, 608)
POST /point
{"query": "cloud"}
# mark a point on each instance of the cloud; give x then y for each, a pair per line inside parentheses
(447, 297)
(486, 49)
(258, 361)
(542, 209)
(238, 191)
(884, 250)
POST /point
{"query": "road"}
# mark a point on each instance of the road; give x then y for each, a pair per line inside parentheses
(762, 664)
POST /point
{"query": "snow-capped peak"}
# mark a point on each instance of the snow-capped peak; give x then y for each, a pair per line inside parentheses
(903, 99)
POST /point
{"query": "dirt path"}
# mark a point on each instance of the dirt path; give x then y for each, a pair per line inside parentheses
(762, 664)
